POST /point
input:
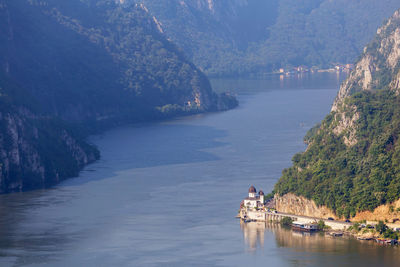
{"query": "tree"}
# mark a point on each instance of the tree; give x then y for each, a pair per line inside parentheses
(381, 227)
(286, 221)
(321, 225)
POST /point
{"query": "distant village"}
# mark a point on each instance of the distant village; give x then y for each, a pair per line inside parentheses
(337, 67)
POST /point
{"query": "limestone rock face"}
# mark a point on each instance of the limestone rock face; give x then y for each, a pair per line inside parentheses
(298, 205)
(26, 162)
(346, 125)
(388, 212)
(378, 67)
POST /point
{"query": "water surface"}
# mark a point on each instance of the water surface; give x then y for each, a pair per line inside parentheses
(166, 194)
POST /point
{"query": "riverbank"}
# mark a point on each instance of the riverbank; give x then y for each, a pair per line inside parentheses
(378, 232)
(275, 216)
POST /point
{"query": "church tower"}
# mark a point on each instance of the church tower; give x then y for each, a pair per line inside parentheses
(252, 192)
(262, 197)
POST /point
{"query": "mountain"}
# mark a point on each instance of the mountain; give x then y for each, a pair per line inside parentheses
(215, 34)
(69, 68)
(379, 65)
(242, 37)
(351, 165)
(35, 150)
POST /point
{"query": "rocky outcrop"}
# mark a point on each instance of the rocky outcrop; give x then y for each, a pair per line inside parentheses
(36, 152)
(360, 79)
(378, 67)
(298, 205)
(346, 125)
(395, 84)
(388, 212)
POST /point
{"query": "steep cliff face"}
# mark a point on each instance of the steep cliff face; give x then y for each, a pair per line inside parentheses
(38, 151)
(351, 165)
(388, 212)
(378, 67)
(299, 205)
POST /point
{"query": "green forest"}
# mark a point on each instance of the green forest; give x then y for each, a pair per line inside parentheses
(73, 68)
(354, 178)
(256, 37)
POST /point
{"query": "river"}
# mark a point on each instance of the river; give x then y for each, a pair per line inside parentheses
(166, 193)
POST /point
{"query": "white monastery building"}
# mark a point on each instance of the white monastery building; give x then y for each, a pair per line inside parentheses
(254, 201)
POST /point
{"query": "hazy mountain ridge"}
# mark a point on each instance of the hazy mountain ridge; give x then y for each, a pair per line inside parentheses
(352, 161)
(254, 36)
(90, 63)
(215, 34)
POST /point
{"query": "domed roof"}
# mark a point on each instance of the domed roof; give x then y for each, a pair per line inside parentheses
(252, 189)
(261, 193)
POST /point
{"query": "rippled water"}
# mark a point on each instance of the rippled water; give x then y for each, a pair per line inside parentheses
(166, 194)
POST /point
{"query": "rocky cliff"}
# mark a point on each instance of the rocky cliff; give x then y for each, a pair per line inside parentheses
(38, 151)
(388, 212)
(351, 165)
(378, 67)
(292, 204)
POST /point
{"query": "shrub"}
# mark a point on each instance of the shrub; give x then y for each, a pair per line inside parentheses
(286, 221)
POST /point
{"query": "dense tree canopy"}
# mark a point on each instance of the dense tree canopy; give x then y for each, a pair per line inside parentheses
(354, 178)
(257, 36)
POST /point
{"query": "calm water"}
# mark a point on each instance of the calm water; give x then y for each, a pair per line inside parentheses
(165, 194)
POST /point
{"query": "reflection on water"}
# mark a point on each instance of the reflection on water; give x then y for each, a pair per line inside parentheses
(318, 247)
(253, 233)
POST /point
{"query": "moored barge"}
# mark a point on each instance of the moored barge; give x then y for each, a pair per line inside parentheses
(383, 241)
(305, 227)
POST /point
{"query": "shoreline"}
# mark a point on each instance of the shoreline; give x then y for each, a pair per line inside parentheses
(334, 228)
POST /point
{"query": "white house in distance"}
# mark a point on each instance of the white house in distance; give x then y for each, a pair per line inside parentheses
(254, 201)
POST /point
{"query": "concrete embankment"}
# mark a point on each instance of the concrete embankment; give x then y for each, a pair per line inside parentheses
(278, 216)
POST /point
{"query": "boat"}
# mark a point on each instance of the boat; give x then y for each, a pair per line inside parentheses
(385, 241)
(364, 238)
(336, 234)
(305, 227)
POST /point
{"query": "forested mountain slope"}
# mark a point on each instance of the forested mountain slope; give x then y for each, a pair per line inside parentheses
(352, 163)
(256, 36)
(70, 66)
